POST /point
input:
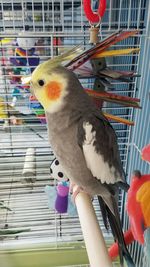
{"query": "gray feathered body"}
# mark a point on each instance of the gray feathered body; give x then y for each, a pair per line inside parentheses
(67, 136)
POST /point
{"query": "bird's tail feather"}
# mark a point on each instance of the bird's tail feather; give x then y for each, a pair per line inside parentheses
(115, 224)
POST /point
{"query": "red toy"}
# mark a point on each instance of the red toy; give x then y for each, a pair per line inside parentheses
(138, 205)
(114, 250)
(138, 208)
(94, 17)
(146, 153)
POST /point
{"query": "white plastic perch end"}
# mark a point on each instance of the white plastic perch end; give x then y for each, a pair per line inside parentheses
(94, 241)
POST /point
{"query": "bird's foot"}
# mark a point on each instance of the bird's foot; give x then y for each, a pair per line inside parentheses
(75, 190)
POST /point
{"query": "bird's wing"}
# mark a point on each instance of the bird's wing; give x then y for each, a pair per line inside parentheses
(98, 141)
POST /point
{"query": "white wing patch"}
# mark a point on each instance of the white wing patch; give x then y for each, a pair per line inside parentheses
(95, 162)
(89, 135)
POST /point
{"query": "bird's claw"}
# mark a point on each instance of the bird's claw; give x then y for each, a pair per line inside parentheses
(75, 191)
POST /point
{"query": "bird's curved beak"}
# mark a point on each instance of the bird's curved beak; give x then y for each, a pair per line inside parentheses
(26, 80)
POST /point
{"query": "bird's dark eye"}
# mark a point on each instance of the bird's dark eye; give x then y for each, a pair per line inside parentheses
(41, 82)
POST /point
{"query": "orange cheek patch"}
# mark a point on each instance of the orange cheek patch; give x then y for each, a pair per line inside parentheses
(53, 90)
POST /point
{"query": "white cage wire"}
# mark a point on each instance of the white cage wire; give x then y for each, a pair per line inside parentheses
(55, 26)
(67, 16)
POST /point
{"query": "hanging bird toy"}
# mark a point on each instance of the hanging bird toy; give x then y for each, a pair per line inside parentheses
(94, 18)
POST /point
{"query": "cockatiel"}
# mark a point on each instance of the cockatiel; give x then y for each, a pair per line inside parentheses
(83, 140)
